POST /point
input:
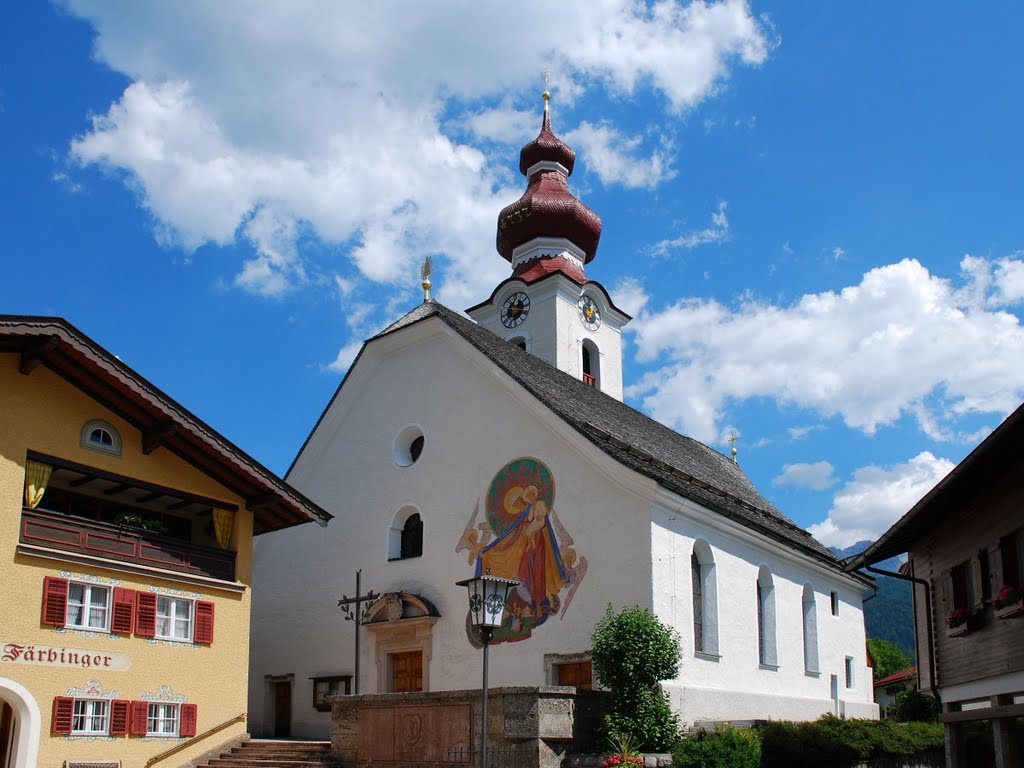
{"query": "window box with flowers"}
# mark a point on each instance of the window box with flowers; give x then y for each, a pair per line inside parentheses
(961, 621)
(1009, 602)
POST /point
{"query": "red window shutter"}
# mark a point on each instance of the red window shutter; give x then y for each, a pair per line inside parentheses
(119, 717)
(55, 601)
(204, 622)
(124, 611)
(137, 721)
(63, 713)
(187, 724)
(145, 614)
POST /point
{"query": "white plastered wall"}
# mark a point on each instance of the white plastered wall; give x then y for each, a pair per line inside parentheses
(474, 421)
(734, 685)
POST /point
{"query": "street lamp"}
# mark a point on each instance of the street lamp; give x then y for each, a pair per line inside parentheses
(487, 597)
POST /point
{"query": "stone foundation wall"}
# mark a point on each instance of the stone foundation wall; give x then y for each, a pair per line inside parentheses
(543, 724)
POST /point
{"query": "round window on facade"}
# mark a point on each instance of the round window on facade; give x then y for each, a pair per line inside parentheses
(408, 446)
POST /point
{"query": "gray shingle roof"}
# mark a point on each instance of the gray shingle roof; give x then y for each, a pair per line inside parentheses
(676, 462)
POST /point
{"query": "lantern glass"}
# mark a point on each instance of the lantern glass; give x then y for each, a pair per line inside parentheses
(487, 597)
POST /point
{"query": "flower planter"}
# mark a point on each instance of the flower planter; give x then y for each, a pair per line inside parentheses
(1011, 610)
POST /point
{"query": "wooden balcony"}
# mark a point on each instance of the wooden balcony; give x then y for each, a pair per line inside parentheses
(110, 542)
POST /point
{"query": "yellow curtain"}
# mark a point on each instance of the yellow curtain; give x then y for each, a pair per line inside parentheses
(222, 521)
(37, 475)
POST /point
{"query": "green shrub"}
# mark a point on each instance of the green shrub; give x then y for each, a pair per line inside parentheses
(632, 653)
(838, 743)
(646, 717)
(802, 745)
(913, 706)
(725, 747)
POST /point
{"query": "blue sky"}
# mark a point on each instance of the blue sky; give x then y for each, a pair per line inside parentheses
(813, 210)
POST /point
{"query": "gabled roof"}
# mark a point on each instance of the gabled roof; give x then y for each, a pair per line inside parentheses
(997, 454)
(897, 677)
(676, 462)
(59, 346)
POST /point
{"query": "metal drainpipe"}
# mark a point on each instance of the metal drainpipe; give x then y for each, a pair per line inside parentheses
(928, 612)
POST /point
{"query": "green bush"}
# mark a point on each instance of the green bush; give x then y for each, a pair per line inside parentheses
(646, 717)
(834, 742)
(725, 747)
(914, 706)
(632, 653)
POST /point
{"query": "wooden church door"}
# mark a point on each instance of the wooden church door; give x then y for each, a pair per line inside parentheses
(407, 671)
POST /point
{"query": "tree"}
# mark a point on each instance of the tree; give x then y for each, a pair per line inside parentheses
(632, 652)
(888, 657)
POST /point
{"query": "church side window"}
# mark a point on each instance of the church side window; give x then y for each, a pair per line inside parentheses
(705, 599)
(767, 642)
(405, 538)
(810, 627)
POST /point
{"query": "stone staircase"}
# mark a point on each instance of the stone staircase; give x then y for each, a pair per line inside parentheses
(264, 753)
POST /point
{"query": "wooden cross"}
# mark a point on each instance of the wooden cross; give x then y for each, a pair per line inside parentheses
(357, 615)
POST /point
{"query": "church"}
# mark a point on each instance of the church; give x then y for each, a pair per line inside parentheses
(500, 443)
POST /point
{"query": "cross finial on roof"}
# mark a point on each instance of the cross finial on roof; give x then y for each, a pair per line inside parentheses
(426, 269)
(733, 451)
(546, 95)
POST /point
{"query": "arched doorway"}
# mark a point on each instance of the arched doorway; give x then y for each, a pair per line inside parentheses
(19, 726)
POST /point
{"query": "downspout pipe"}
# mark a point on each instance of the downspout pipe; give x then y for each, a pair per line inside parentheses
(928, 613)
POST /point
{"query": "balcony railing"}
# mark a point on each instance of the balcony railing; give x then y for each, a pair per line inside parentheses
(111, 542)
(589, 380)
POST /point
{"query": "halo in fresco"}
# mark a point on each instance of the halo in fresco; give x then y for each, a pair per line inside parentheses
(522, 538)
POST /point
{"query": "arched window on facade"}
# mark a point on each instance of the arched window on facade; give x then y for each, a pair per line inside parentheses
(591, 364)
(705, 599)
(810, 614)
(519, 341)
(405, 538)
(100, 435)
(767, 635)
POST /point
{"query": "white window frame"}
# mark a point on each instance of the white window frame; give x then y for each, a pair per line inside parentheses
(87, 712)
(88, 589)
(171, 618)
(160, 715)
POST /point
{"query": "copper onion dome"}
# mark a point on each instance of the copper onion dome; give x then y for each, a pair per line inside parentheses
(547, 208)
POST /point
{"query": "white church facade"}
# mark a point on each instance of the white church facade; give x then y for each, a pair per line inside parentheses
(500, 443)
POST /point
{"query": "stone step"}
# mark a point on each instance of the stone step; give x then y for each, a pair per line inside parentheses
(275, 753)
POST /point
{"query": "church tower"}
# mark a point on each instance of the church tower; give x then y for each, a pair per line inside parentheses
(548, 306)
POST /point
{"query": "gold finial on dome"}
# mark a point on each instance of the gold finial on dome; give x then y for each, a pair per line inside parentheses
(733, 451)
(426, 269)
(547, 94)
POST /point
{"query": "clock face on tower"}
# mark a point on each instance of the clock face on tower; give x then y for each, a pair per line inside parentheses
(589, 313)
(515, 309)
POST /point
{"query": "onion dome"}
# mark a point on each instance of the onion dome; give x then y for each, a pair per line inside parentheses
(548, 211)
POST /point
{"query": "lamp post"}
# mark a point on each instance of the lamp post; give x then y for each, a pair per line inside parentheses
(487, 597)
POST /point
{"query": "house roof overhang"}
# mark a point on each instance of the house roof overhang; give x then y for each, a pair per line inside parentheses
(996, 455)
(57, 345)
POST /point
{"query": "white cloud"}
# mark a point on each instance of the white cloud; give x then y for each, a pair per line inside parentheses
(319, 118)
(717, 232)
(614, 157)
(868, 505)
(801, 432)
(345, 357)
(630, 296)
(902, 343)
(817, 476)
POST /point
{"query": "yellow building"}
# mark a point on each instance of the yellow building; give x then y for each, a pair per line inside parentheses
(126, 529)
